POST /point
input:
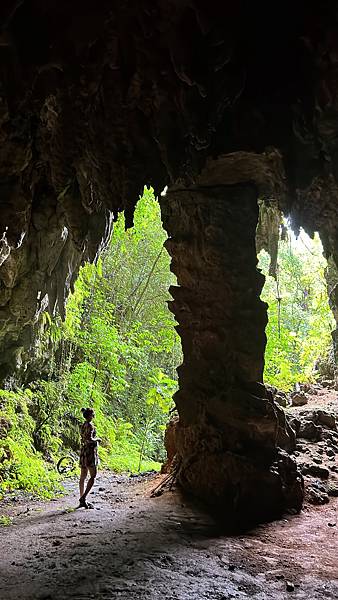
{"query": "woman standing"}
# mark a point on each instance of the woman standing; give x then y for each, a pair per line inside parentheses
(88, 455)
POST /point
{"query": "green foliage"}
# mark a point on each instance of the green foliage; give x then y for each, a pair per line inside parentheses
(21, 465)
(5, 521)
(117, 350)
(123, 343)
(300, 320)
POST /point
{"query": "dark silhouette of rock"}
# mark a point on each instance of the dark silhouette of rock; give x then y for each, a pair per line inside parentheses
(328, 383)
(317, 494)
(316, 471)
(170, 443)
(281, 399)
(299, 399)
(310, 431)
(295, 424)
(326, 419)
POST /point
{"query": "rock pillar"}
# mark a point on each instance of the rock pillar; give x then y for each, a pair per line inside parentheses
(232, 440)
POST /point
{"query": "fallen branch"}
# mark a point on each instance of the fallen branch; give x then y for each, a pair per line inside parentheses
(169, 480)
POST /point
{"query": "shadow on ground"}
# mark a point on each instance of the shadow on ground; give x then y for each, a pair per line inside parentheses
(134, 546)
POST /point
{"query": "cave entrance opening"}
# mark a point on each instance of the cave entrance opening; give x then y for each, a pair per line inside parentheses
(299, 350)
(116, 350)
(121, 341)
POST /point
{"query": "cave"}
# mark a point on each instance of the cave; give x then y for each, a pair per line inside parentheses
(229, 105)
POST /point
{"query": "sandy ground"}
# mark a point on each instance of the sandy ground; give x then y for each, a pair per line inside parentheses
(134, 546)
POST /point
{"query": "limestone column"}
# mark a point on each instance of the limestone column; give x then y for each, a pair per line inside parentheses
(230, 431)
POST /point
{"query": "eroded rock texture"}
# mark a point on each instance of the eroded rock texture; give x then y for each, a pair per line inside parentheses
(229, 426)
(98, 99)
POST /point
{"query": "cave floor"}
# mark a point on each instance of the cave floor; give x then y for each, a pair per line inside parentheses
(134, 546)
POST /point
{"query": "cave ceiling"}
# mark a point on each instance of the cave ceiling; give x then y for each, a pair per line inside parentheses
(99, 98)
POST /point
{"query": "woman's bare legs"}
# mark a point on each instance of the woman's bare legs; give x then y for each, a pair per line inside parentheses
(84, 471)
(90, 482)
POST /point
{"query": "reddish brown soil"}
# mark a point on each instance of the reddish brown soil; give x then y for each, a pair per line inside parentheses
(325, 398)
(132, 546)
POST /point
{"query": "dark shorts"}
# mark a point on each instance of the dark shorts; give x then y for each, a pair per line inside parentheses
(88, 456)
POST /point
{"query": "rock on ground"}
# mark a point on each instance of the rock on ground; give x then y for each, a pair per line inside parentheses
(316, 452)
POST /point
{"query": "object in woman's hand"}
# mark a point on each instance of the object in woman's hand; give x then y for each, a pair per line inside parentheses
(96, 442)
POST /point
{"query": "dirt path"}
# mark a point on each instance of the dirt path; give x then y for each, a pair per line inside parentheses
(133, 546)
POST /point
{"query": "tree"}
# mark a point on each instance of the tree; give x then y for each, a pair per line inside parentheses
(121, 332)
(300, 320)
(116, 350)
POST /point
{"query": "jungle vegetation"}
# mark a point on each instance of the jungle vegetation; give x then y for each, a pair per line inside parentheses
(299, 343)
(117, 350)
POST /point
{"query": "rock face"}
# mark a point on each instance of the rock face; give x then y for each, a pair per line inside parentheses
(317, 448)
(241, 97)
(170, 443)
(229, 425)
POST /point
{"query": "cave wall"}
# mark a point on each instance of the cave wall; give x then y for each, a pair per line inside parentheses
(240, 98)
(95, 102)
(232, 440)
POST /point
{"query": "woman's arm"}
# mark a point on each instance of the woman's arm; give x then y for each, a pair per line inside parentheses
(90, 435)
